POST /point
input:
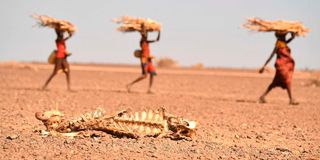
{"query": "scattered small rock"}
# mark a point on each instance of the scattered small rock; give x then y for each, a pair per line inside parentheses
(195, 151)
(68, 141)
(283, 149)
(5, 147)
(154, 156)
(13, 137)
(260, 137)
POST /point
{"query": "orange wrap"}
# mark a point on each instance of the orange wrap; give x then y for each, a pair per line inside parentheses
(284, 66)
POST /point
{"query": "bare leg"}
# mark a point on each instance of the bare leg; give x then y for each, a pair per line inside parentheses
(262, 97)
(150, 83)
(66, 70)
(136, 81)
(55, 71)
(68, 79)
(57, 67)
(292, 101)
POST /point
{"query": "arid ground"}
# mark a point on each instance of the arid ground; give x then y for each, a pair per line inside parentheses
(231, 124)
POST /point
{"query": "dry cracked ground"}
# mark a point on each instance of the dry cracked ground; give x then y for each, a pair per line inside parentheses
(231, 124)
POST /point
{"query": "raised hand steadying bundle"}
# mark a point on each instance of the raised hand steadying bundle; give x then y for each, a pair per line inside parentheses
(261, 25)
(63, 25)
(131, 24)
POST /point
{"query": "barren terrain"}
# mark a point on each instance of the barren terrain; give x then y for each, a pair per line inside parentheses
(231, 124)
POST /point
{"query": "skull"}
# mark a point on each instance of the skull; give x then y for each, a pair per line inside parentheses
(182, 127)
(51, 119)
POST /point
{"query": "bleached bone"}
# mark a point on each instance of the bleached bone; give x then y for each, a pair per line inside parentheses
(124, 124)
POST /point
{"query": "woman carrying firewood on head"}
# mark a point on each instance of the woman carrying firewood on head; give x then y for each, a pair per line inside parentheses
(61, 58)
(284, 66)
(147, 66)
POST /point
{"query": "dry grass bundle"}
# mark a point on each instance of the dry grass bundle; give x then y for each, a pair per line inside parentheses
(131, 24)
(279, 25)
(46, 21)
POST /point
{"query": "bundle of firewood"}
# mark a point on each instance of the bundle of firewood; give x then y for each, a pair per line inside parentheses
(46, 21)
(261, 25)
(131, 24)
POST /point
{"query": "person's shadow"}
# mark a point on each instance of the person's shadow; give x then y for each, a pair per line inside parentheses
(246, 101)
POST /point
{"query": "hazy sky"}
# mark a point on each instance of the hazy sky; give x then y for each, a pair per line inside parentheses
(194, 31)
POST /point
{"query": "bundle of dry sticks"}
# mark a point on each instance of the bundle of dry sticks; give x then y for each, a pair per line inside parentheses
(46, 21)
(131, 24)
(261, 25)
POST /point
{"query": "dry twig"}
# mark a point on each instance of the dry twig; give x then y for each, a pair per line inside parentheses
(46, 21)
(131, 24)
(261, 25)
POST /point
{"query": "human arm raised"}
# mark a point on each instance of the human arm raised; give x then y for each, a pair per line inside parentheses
(291, 38)
(69, 36)
(158, 38)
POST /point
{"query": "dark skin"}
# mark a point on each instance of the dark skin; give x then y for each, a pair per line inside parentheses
(65, 68)
(144, 38)
(281, 37)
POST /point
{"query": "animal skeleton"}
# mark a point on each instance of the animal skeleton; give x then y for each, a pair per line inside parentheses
(131, 24)
(124, 124)
(46, 21)
(280, 25)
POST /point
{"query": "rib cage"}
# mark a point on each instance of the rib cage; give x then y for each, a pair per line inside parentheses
(134, 125)
(146, 123)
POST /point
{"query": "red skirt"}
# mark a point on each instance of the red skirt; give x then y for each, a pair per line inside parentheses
(148, 67)
(284, 71)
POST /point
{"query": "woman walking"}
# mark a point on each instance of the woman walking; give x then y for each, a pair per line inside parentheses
(147, 66)
(284, 66)
(61, 58)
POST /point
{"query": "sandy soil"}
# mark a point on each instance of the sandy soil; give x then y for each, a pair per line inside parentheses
(232, 125)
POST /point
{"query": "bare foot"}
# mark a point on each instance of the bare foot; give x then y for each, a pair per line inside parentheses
(293, 102)
(150, 91)
(128, 86)
(262, 100)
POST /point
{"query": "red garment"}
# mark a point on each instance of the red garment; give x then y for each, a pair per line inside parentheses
(61, 48)
(149, 68)
(145, 49)
(146, 63)
(284, 68)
